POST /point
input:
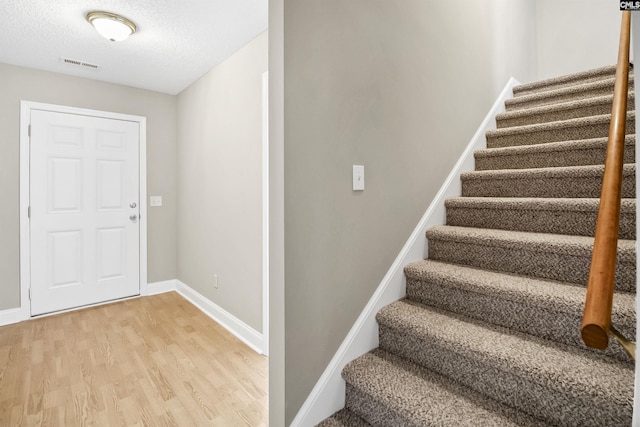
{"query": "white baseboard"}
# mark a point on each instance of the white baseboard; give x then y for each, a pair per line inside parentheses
(328, 395)
(12, 315)
(156, 288)
(237, 327)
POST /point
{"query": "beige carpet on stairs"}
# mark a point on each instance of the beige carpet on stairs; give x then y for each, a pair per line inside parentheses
(488, 334)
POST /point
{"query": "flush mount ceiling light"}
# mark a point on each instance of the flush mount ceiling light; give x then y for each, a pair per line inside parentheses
(111, 26)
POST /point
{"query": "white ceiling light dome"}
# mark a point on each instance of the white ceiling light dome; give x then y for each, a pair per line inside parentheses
(111, 26)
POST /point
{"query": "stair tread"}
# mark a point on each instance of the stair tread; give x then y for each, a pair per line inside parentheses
(560, 106)
(550, 154)
(603, 72)
(532, 242)
(544, 255)
(544, 308)
(555, 366)
(563, 181)
(550, 147)
(422, 397)
(557, 172)
(575, 216)
(568, 90)
(536, 203)
(550, 126)
(549, 294)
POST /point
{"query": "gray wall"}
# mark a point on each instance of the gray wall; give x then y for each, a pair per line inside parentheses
(399, 87)
(576, 35)
(18, 84)
(514, 41)
(220, 183)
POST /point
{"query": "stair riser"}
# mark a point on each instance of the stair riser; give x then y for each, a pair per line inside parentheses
(539, 221)
(521, 390)
(523, 90)
(578, 157)
(533, 263)
(367, 407)
(518, 103)
(571, 133)
(587, 186)
(557, 326)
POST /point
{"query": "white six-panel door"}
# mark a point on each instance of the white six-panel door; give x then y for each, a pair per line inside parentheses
(84, 210)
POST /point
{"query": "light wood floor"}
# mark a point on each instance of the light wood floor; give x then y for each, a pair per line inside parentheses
(143, 362)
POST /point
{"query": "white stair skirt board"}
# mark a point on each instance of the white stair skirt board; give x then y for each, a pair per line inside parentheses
(328, 395)
(237, 327)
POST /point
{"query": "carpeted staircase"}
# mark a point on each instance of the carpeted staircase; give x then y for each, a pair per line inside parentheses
(489, 333)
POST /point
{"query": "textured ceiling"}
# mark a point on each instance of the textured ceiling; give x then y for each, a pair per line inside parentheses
(177, 40)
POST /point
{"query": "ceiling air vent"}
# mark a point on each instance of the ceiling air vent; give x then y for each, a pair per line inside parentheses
(82, 64)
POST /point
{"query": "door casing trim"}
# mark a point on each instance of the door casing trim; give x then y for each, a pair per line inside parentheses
(25, 172)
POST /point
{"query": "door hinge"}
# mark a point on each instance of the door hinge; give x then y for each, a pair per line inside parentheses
(29, 131)
(29, 294)
(29, 212)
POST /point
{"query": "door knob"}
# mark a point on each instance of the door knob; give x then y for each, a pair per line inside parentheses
(133, 205)
(133, 217)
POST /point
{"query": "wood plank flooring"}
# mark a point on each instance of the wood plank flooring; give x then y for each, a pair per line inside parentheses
(150, 361)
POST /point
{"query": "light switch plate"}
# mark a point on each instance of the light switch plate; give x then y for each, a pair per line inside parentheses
(358, 177)
(155, 201)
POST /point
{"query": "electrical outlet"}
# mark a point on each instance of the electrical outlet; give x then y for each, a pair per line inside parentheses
(215, 281)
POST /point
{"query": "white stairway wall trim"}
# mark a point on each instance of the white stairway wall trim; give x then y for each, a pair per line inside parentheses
(328, 395)
(237, 327)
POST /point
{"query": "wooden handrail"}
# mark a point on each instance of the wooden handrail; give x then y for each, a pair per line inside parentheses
(596, 321)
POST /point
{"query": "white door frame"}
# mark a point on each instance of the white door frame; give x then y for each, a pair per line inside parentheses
(25, 238)
(265, 213)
